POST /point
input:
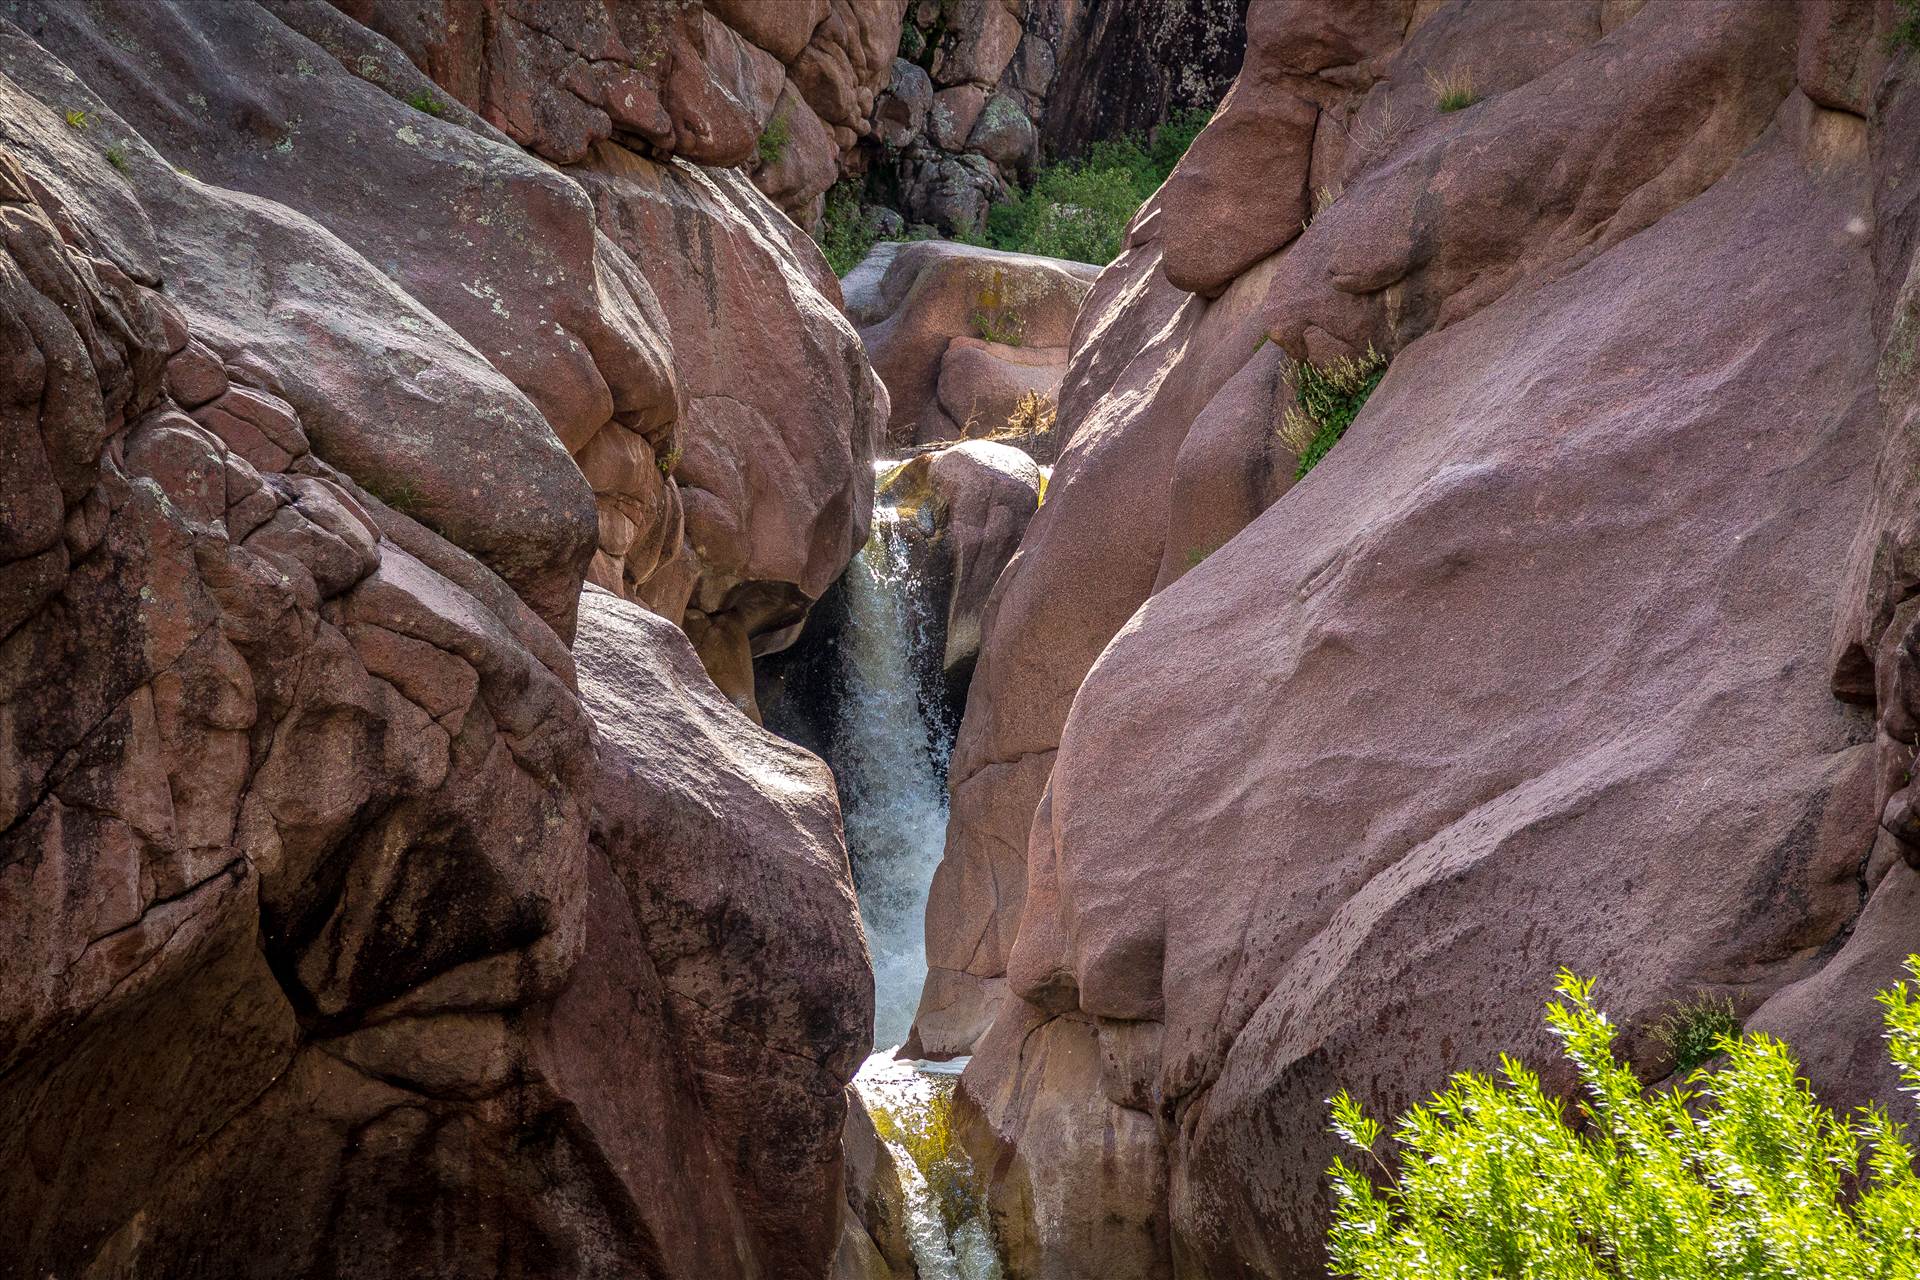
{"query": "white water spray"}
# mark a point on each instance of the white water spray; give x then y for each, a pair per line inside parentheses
(890, 759)
(892, 762)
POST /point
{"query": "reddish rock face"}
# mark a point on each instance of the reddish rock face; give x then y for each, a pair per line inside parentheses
(664, 77)
(958, 333)
(1267, 788)
(349, 927)
(761, 959)
(783, 413)
(557, 290)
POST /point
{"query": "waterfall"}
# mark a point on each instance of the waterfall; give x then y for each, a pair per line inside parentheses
(891, 759)
(889, 754)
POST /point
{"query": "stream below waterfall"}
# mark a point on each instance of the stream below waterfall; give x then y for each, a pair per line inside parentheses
(889, 746)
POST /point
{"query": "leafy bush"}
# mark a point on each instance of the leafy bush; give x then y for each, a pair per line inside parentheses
(1328, 398)
(1072, 212)
(1080, 209)
(423, 101)
(1740, 1175)
(1693, 1032)
(844, 236)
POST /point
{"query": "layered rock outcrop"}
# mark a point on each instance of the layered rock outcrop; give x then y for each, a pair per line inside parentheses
(787, 87)
(1267, 788)
(351, 926)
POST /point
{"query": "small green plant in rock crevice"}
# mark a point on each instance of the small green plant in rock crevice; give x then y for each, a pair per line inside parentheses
(1453, 91)
(1694, 1031)
(1197, 555)
(994, 317)
(426, 103)
(774, 139)
(117, 158)
(1739, 1175)
(1328, 398)
(400, 495)
(999, 325)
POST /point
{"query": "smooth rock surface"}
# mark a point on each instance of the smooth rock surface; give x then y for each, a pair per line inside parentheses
(912, 301)
(1215, 853)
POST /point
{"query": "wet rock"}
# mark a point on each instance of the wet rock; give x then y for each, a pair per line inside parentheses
(964, 508)
(875, 1245)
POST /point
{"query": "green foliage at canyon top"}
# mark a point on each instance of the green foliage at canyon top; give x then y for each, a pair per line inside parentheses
(1740, 1174)
(1080, 209)
(1076, 209)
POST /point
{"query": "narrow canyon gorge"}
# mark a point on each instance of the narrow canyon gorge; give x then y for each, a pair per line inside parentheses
(890, 639)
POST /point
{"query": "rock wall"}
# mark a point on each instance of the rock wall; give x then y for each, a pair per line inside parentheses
(787, 87)
(555, 280)
(376, 904)
(1266, 788)
(983, 90)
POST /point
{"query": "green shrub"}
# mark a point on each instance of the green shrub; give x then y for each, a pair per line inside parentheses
(1073, 211)
(773, 139)
(844, 235)
(1740, 1176)
(1328, 398)
(1080, 209)
(421, 100)
(1906, 26)
(1693, 1032)
(117, 158)
(78, 119)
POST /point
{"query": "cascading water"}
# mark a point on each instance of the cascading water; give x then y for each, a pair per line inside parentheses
(890, 760)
